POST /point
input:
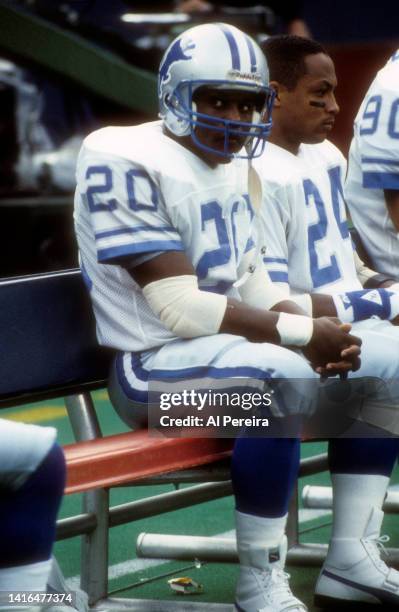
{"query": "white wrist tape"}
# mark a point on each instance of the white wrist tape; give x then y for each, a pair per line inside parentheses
(183, 308)
(294, 330)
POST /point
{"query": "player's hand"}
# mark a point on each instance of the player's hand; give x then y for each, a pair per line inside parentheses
(350, 363)
(332, 349)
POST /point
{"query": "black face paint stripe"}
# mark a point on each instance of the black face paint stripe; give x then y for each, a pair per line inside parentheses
(317, 104)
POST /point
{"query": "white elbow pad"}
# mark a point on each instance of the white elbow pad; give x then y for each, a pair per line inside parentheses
(363, 272)
(258, 290)
(183, 308)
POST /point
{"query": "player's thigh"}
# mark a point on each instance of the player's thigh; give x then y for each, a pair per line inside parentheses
(233, 355)
(198, 362)
(227, 355)
(22, 448)
(380, 349)
(233, 361)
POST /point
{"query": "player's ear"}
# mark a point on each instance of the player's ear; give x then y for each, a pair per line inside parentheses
(278, 89)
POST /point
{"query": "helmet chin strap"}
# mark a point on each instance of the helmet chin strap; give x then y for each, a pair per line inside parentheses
(254, 187)
(255, 196)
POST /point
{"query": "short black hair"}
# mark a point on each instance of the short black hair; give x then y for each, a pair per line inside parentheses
(286, 55)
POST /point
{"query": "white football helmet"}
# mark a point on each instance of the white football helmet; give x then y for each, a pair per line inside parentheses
(214, 55)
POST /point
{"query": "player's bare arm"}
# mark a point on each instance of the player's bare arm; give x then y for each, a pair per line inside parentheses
(330, 347)
(392, 202)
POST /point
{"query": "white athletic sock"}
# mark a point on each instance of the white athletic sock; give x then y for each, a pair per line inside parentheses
(32, 577)
(354, 497)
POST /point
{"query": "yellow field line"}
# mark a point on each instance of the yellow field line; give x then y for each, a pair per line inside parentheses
(38, 415)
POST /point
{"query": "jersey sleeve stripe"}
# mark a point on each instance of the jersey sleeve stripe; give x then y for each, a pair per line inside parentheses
(132, 230)
(142, 247)
(380, 160)
(275, 260)
(380, 180)
(278, 277)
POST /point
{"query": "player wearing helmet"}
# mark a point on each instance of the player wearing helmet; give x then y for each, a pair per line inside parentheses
(169, 252)
(237, 73)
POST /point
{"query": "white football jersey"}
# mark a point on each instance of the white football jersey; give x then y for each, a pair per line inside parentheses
(374, 166)
(139, 192)
(303, 218)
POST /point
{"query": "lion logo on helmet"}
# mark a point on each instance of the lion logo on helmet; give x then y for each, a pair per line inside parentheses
(178, 52)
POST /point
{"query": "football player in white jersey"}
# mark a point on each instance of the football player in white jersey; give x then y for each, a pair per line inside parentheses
(309, 251)
(32, 478)
(372, 184)
(169, 252)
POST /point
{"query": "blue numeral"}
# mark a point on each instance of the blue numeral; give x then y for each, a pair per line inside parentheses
(212, 212)
(235, 209)
(316, 232)
(131, 177)
(372, 114)
(392, 131)
(106, 187)
(338, 200)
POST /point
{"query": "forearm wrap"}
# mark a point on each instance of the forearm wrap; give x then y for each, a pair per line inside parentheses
(366, 304)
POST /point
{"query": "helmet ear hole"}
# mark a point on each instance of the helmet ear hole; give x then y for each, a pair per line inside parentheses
(170, 101)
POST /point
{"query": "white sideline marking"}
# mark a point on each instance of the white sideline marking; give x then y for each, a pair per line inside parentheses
(136, 565)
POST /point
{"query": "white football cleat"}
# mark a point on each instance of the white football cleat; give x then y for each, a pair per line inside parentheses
(354, 575)
(262, 583)
(265, 590)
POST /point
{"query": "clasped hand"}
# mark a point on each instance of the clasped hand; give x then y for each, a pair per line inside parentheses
(332, 349)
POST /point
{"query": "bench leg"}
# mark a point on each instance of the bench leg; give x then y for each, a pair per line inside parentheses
(82, 416)
(94, 551)
(292, 530)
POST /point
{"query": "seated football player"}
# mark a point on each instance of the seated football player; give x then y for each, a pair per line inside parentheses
(168, 248)
(309, 254)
